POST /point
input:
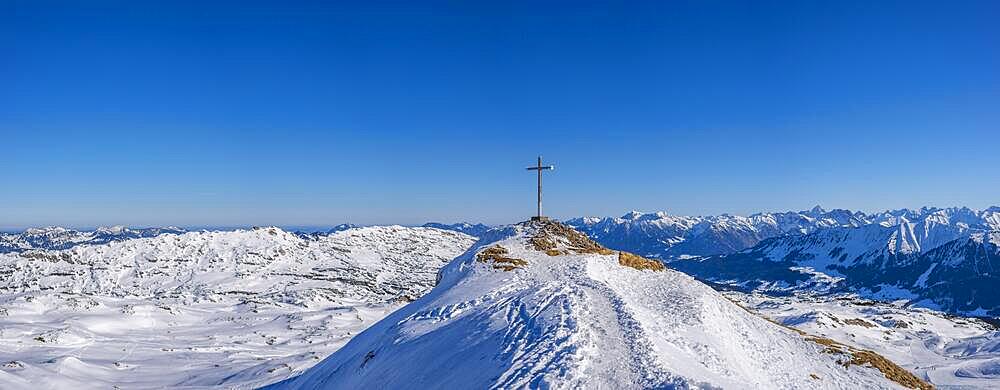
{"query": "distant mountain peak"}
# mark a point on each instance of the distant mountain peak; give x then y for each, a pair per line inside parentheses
(632, 215)
(116, 229)
(46, 230)
(342, 227)
(475, 230)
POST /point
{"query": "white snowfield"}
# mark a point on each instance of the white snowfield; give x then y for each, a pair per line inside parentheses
(950, 352)
(577, 321)
(204, 310)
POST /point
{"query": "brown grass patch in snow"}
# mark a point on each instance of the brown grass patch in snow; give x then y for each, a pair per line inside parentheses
(497, 256)
(889, 369)
(556, 239)
(550, 234)
(638, 262)
(832, 347)
(866, 358)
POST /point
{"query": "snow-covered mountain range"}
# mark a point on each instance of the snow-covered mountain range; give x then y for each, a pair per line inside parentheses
(472, 229)
(668, 237)
(204, 309)
(57, 238)
(941, 258)
(539, 305)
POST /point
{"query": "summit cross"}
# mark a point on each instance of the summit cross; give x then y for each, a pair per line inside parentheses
(540, 168)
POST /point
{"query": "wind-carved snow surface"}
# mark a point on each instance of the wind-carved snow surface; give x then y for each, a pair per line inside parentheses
(948, 351)
(576, 321)
(233, 309)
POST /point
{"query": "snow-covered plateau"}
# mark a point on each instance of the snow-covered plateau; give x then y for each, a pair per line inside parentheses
(234, 309)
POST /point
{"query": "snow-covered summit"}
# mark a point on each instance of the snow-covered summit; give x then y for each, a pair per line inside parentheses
(540, 305)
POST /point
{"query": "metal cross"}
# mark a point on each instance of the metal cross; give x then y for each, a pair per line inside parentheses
(540, 168)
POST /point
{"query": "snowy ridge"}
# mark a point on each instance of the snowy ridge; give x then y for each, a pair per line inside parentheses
(558, 312)
(239, 308)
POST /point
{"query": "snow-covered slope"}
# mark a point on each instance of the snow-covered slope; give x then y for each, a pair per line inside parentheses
(207, 309)
(960, 276)
(539, 305)
(950, 352)
(57, 238)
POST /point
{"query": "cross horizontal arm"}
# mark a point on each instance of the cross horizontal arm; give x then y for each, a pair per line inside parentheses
(540, 168)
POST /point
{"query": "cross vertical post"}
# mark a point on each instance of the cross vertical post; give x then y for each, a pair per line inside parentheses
(539, 186)
(539, 167)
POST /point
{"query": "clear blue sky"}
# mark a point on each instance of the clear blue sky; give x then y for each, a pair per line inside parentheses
(155, 113)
